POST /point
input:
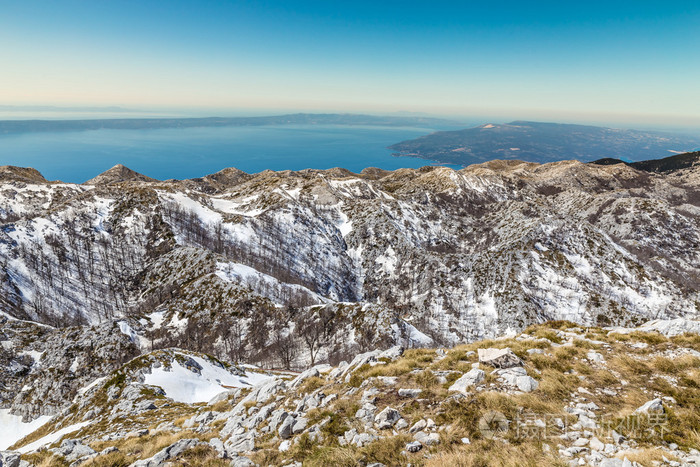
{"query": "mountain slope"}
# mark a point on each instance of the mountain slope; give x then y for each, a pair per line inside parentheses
(556, 394)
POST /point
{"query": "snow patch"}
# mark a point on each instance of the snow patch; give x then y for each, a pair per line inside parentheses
(184, 385)
(12, 428)
(53, 437)
(387, 261)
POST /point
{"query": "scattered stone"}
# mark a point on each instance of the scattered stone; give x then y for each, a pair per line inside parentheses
(595, 357)
(303, 376)
(141, 433)
(240, 461)
(427, 439)
(388, 380)
(412, 393)
(241, 442)
(168, 453)
(414, 446)
(370, 395)
(73, 449)
(285, 445)
(617, 437)
(366, 413)
(418, 426)
(596, 445)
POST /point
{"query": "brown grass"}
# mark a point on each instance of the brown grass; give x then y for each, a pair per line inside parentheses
(485, 453)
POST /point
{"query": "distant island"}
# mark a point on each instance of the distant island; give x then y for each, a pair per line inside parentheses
(543, 142)
(36, 126)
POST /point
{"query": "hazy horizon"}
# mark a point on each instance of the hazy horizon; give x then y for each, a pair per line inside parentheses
(615, 62)
(44, 112)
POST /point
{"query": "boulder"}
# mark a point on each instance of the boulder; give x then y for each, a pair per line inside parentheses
(299, 425)
(517, 377)
(218, 445)
(9, 459)
(387, 418)
(499, 358)
(285, 429)
(471, 378)
(654, 405)
(243, 442)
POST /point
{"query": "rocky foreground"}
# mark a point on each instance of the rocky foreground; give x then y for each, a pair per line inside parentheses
(556, 394)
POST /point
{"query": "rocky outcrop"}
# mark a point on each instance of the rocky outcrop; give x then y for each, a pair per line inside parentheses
(9, 173)
(42, 368)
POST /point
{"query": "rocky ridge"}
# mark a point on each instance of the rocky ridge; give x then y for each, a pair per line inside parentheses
(433, 254)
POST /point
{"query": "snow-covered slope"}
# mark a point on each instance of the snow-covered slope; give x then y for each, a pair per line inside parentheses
(286, 268)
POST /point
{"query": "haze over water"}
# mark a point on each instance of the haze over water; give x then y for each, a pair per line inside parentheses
(194, 152)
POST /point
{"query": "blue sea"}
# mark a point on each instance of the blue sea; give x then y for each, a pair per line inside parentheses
(195, 152)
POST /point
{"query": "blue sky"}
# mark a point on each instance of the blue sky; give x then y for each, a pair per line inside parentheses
(627, 61)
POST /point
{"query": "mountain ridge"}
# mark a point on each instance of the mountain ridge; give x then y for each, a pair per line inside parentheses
(231, 175)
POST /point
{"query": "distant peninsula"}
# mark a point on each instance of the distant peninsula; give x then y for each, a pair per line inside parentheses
(543, 142)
